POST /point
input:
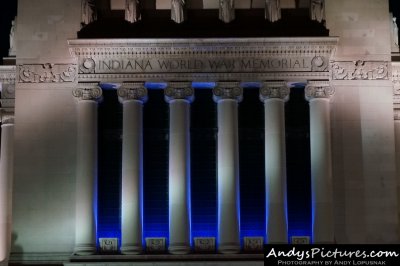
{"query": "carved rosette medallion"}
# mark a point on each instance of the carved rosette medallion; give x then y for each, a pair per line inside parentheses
(274, 90)
(132, 91)
(86, 65)
(179, 91)
(47, 73)
(359, 70)
(88, 92)
(318, 90)
(228, 90)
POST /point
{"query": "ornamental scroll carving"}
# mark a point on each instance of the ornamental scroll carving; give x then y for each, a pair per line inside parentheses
(277, 90)
(88, 92)
(318, 90)
(132, 91)
(179, 90)
(359, 70)
(47, 73)
(228, 90)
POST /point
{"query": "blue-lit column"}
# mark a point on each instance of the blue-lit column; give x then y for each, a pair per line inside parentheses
(228, 95)
(132, 96)
(318, 94)
(274, 95)
(6, 179)
(86, 173)
(179, 96)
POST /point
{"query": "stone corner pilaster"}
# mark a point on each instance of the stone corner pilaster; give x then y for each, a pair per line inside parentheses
(274, 90)
(228, 90)
(88, 92)
(179, 91)
(132, 91)
(319, 90)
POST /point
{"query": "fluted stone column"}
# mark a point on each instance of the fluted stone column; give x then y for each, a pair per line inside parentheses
(86, 173)
(274, 95)
(318, 94)
(6, 179)
(179, 96)
(228, 95)
(132, 96)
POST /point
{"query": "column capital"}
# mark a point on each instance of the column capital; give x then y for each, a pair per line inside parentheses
(179, 91)
(6, 116)
(274, 90)
(396, 113)
(319, 90)
(88, 92)
(228, 90)
(132, 91)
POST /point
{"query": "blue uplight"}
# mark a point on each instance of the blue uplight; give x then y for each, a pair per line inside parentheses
(156, 85)
(203, 85)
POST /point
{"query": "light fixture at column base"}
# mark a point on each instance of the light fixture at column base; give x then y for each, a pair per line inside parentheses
(253, 244)
(131, 250)
(179, 249)
(229, 249)
(85, 250)
(155, 244)
(204, 244)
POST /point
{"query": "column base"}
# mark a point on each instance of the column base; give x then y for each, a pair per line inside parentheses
(131, 250)
(229, 249)
(85, 250)
(179, 249)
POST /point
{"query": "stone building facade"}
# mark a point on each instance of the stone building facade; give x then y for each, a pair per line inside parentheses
(66, 66)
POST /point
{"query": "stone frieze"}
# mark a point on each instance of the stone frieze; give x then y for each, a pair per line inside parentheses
(359, 70)
(47, 73)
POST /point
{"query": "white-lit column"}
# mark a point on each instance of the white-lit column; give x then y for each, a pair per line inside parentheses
(228, 95)
(86, 173)
(179, 96)
(132, 96)
(274, 95)
(6, 179)
(318, 94)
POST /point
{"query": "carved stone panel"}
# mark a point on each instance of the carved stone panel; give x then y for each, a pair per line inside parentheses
(359, 70)
(47, 73)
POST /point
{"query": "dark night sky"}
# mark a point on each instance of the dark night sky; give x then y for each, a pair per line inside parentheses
(9, 10)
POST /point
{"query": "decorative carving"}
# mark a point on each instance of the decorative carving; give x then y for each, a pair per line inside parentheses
(89, 12)
(155, 245)
(178, 10)
(277, 90)
(87, 65)
(8, 91)
(228, 90)
(395, 32)
(88, 92)
(12, 50)
(317, 89)
(47, 73)
(179, 90)
(272, 10)
(317, 10)
(253, 244)
(132, 91)
(359, 70)
(132, 10)
(226, 10)
(204, 244)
